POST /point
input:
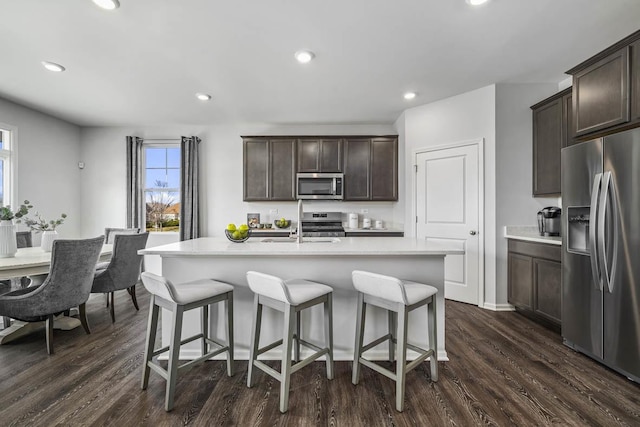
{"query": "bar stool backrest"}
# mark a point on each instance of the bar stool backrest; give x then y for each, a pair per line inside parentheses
(269, 286)
(378, 285)
(158, 285)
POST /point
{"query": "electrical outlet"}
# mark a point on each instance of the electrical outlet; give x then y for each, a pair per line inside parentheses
(364, 211)
(273, 211)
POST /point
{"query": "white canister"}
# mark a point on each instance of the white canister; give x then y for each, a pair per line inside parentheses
(379, 224)
(366, 222)
(353, 220)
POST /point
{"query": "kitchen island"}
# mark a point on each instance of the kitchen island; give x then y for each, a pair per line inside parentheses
(326, 260)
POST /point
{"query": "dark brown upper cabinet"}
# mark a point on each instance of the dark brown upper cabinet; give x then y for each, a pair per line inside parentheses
(384, 169)
(269, 169)
(606, 90)
(320, 155)
(567, 119)
(357, 169)
(635, 82)
(601, 97)
(371, 168)
(551, 132)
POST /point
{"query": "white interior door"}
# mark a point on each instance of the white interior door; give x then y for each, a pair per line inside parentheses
(448, 211)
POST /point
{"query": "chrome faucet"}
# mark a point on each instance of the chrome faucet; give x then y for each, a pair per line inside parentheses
(300, 215)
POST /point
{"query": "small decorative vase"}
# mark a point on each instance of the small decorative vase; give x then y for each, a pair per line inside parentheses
(48, 236)
(8, 243)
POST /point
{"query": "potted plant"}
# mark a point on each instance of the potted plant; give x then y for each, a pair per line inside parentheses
(8, 245)
(48, 229)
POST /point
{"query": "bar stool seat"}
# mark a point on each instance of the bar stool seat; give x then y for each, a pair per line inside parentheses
(399, 297)
(179, 298)
(291, 297)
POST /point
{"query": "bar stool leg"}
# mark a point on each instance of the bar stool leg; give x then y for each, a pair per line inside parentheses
(328, 333)
(357, 352)
(401, 362)
(433, 338)
(229, 325)
(204, 320)
(296, 349)
(174, 356)
(152, 330)
(255, 338)
(392, 332)
(285, 374)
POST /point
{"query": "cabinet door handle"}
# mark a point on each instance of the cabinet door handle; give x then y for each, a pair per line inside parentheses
(473, 232)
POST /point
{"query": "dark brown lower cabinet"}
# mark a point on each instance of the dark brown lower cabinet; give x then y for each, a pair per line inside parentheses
(534, 283)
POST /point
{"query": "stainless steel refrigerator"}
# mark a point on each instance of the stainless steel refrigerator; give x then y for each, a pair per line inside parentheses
(601, 250)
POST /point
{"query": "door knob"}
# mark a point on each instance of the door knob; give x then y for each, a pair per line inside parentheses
(473, 232)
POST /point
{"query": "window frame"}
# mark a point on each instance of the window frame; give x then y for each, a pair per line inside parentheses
(145, 188)
(9, 154)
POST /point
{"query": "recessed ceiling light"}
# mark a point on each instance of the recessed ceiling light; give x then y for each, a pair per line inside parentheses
(410, 95)
(476, 2)
(304, 56)
(107, 4)
(203, 96)
(52, 66)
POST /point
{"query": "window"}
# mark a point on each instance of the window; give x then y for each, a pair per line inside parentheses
(5, 166)
(162, 187)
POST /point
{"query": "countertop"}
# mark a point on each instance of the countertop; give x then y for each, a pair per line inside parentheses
(311, 246)
(351, 232)
(372, 230)
(529, 233)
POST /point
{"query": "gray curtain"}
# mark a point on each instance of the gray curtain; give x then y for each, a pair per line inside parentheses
(134, 183)
(189, 203)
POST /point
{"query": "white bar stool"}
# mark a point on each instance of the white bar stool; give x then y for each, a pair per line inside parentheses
(399, 297)
(291, 297)
(179, 298)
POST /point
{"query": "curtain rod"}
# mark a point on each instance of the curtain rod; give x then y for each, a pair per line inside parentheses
(161, 139)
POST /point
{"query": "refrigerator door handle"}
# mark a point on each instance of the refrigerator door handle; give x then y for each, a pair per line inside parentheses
(616, 233)
(602, 216)
(593, 229)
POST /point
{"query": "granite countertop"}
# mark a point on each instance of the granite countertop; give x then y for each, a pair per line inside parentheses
(530, 233)
(322, 246)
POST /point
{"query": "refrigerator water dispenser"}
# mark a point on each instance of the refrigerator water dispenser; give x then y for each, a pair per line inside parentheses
(578, 229)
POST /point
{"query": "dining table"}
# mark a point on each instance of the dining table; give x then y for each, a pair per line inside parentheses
(34, 261)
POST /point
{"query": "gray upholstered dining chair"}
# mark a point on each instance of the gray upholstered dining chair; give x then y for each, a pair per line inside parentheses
(123, 270)
(68, 285)
(110, 233)
(23, 240)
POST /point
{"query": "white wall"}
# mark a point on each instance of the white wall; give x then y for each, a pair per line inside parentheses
(460, 118)
(47, 169)
(104, 154)
(515, 204)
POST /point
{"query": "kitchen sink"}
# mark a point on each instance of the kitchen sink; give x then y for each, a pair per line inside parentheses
(305, 240)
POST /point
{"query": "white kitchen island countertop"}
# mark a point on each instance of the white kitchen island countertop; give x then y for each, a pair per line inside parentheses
(341, 246)
(326, 260)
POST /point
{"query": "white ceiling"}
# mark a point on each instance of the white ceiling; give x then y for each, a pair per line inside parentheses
(142, 63)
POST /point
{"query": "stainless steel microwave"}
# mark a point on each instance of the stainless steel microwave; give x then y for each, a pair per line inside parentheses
(320, 186)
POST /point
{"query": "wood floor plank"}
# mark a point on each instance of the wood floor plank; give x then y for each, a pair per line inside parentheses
(503, 370)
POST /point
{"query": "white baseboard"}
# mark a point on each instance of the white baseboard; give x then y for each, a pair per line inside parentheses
(498, 307)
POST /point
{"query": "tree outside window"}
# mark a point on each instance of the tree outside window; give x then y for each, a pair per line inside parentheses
(162, 188)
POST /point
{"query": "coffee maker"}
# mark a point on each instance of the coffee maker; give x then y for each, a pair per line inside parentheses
(549, 221)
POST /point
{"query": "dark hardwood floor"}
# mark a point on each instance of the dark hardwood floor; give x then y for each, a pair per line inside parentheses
(504, 370)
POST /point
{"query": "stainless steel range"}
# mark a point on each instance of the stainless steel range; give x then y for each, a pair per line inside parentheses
(322, 224)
